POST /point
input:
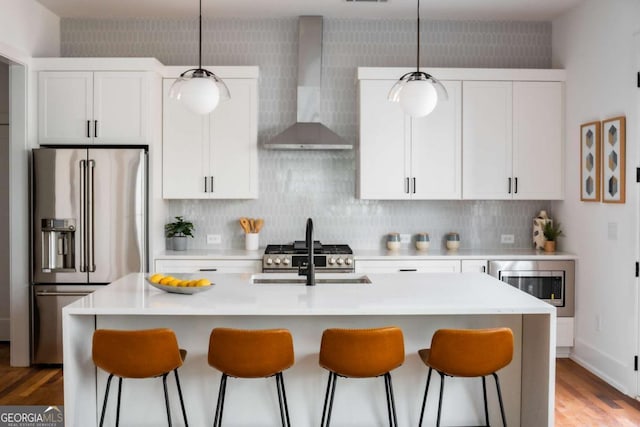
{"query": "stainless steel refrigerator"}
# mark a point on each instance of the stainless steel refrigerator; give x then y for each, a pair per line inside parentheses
(89, 228)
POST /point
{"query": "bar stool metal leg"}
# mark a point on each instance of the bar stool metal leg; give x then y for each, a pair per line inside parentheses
(282, 400)
(106, 396)
(391, 406)
(118, 408)
(166, 398)
(217, 419)
(504, 419)
(440, 400)
(326, 410)
(486, 409)
(184, 412)
(424, 399)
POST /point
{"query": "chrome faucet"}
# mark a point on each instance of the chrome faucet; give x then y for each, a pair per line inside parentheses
(309, 269)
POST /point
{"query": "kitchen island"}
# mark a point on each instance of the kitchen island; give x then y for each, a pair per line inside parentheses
(419, 303)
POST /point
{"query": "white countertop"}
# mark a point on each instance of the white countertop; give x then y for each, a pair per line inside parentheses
(389, 294)
(490, 254)
(378, 254)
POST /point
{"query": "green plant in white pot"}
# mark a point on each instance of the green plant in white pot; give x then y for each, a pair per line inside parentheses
(177, 232)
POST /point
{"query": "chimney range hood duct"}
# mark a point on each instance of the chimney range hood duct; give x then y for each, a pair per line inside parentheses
(308, 133)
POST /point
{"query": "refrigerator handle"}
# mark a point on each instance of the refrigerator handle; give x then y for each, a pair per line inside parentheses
(91, 266)
(83, 222)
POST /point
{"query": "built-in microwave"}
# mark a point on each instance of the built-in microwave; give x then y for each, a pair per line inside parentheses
(550, 280)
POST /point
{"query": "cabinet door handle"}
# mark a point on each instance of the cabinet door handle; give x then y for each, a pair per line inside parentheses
(484, 268)
(208, 269)
(205, 184)
(407, 186)
(211, 183)
(509, 189)
(402, 270)
(414, 185)
(516, 185)
(95, 128)
(88, 128)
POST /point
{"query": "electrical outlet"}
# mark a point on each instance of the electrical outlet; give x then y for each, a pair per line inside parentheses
(508, 239)
(405, 238)
(214, 239)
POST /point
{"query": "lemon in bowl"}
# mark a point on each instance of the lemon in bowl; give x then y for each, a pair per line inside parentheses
(179, 283)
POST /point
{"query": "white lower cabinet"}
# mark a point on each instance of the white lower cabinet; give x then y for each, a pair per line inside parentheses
(207, 265)
(564, 332)
(473, 265)
(407, 266)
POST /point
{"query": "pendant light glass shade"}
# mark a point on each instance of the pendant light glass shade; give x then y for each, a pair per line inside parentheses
(417, 91)
(198, 89)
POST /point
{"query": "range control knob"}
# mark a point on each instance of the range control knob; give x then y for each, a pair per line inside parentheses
(348, 261)
(285, 261)
(277, 261)
(269, 261)
(332, 261)
(340, 261)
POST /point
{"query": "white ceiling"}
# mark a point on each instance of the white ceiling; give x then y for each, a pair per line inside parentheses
(495, 10)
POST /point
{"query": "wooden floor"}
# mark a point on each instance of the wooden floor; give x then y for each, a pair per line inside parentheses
(28, 386)
(582, 399)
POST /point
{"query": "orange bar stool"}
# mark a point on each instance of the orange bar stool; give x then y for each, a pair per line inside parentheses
(361, 353)
(138, 354)
(468, 353)
(242, 353)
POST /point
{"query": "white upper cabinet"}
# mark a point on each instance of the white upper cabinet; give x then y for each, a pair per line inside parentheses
(215, 155)
(436, 149)
(84, 107)
(487, 134)
(405, 158)
(513, 145)
(538, 129)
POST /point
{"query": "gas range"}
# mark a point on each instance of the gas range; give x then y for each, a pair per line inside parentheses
(327, 258)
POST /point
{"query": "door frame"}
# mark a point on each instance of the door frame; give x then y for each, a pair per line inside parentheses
(636, 123)
(19, 83)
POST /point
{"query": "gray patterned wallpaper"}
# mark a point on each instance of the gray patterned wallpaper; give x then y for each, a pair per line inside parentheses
(321, 185)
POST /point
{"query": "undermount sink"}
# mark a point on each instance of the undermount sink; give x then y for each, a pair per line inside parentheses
(293, 279)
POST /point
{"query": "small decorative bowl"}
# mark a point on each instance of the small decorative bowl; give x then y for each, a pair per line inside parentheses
(186, 290)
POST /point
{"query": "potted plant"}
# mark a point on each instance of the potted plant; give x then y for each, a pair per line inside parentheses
(176, 233)
(551, 233)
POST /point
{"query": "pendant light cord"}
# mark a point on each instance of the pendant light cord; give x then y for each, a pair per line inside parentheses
(418, 37)
(200, 43)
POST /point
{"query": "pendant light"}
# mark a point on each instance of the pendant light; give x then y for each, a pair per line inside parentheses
(198, 89)
(417, 91)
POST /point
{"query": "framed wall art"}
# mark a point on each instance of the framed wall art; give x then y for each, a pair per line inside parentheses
(613, 160)
(590, 149)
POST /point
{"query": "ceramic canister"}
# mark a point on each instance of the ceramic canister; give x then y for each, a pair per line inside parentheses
(422, 241)
(453, 241)
(393, 241)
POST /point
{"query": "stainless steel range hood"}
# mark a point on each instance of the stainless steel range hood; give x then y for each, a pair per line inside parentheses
(308, 133)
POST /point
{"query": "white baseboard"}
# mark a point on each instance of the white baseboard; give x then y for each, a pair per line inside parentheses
(563, 352)
(604, 366)
(5, 333)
